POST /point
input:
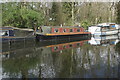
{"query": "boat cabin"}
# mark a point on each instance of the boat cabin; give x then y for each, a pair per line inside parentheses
(6, 31)
(58, 29)
(108, 26)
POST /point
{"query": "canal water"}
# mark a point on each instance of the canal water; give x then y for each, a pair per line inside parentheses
(94, 57)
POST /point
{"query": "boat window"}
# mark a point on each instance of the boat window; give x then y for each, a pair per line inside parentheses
(5, 33)
(71, 30)
(78, 44)
(55, 30)
(78, 30)
(56, 48)
(70, 45)
(64, 47)
(64, 30)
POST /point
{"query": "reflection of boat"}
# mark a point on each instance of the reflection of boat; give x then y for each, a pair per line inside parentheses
(57, 32)
(104, 40)
(39, 54)
(59, 47)
(30, 43)
(105, 29)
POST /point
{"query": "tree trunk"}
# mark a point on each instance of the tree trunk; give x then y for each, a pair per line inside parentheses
(72, 13)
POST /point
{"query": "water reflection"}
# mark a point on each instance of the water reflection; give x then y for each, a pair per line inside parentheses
(62, 59)
(104, 40)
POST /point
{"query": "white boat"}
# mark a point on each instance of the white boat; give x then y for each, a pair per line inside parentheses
(104, 29)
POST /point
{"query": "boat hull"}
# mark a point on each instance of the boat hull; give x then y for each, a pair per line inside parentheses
(54, 37)
(109, 32)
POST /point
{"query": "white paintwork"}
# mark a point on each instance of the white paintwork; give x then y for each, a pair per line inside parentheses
(2, 33)
(117, 26)
(108, 32)
(96, 40)
(96, 30)
(105, 24)
(111, 32)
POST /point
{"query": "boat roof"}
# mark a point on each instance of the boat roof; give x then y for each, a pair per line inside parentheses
(105, 24)
(62, 26)
(6, 28)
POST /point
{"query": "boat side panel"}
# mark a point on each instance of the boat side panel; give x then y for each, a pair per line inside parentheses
(45, 37)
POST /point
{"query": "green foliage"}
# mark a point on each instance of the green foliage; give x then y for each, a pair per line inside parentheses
(67, 8)
(117, 47)
(15, 16)
(31, 18)
(0, 15)
(56, 14)
(118, 12)
(20, 14)
(85, 24)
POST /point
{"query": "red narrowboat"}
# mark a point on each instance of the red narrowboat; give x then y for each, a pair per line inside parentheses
(57, 32)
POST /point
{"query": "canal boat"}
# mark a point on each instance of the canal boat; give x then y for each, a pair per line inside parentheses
(104, 29)
(59, 32)
(12, 33)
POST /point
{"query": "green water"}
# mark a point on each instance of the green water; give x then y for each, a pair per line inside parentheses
(61, 59)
